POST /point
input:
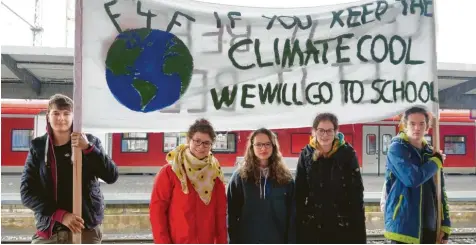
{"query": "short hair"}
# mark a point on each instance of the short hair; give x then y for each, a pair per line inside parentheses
(326, 117)
(61, 102)
(202, 126)
(415, 110)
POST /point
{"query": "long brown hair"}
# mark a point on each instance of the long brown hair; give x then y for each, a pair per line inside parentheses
(277, 169)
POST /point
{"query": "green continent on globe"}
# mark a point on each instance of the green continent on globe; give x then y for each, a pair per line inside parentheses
(143, 33)
(178, 60)
(120, 58)
(146, 90)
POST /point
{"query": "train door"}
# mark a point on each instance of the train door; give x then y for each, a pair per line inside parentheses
(40, 125)
(106, 142)
(376, 140)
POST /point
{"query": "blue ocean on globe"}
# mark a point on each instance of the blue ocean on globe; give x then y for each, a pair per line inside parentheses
(147, 69)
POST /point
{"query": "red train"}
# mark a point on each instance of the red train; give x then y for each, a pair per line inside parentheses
(145, 152)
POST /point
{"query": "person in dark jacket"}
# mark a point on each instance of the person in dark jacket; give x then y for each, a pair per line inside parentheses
(412, 206)
(261, 206)
(329, 188)
(47, 179)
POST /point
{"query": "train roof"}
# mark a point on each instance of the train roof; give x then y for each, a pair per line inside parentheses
(24, 107)
(446, 116)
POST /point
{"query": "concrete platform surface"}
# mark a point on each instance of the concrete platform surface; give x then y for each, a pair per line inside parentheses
(132, 189)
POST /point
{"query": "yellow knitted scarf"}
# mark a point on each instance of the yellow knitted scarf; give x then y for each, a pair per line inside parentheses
(201, 173)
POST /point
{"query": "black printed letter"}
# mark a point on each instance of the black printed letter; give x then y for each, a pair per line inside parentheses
(232, 19)
(234, 48)
(149, 15)
(113, 17)
(174, 20)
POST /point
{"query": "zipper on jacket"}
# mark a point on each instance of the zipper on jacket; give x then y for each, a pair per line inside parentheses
(55, 181)
(421, 213)
(395, 212)
(56, 176)
(391, 188)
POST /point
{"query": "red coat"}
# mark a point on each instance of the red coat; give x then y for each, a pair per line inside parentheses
(177, 217)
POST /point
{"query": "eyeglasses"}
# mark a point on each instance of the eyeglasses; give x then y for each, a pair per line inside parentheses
(261, 145)
(322, 131)
(206, 144)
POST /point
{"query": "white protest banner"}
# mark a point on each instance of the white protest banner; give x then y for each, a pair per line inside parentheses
(158, 65)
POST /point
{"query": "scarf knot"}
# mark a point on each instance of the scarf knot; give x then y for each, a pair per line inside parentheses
(202, 173)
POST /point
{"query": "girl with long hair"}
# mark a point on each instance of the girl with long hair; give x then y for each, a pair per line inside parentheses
(261, 194)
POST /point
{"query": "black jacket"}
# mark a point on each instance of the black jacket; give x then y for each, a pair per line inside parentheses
(330, 198)
(260, 218)
(37, 192)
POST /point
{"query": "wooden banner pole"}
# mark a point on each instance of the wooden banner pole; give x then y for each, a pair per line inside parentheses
(436, 139)
(436, 127)
(77, 120)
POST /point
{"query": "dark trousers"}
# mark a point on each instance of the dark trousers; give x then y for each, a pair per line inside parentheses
(427, 237)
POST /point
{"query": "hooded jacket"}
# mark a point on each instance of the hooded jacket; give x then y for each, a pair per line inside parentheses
(329, 196)
(260, 214)
(408, 173)
(38, 188)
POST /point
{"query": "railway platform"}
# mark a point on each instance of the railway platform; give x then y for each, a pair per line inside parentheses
(127, 209)
(136, 189)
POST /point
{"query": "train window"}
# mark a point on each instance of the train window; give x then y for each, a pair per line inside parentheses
(172, 140)
(455, 145)
(371, 144)
(134, 142)
(182, 138)
(225, 143)
(428, 139)
(21, 139)
(386, 140)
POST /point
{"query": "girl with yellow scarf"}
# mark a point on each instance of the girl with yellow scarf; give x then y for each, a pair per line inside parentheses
(188, 201)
